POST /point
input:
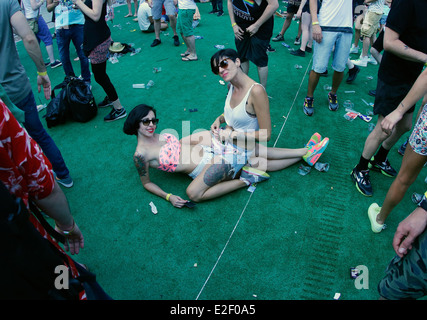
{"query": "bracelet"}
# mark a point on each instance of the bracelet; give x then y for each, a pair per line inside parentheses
(42, 73)
(233, 24)
(67, 232)
(315, 23)
(168, 196)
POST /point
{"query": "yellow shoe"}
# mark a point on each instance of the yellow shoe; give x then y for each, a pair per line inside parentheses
(373, 212)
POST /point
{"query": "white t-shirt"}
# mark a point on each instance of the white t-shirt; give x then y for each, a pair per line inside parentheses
(186, 4)
(336, 14)
(28, 11)
(144, 12)
(377, 6)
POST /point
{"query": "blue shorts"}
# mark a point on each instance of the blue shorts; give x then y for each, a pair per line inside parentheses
(44, 34)
(341, 41)
(156, 10)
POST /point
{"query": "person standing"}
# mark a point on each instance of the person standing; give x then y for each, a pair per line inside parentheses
(32, 11)
(332, 31)
(405, 53)
(170, 8)
(252, 23)
(14, 80)
(187, 9)
(96, 44)
(69, 22)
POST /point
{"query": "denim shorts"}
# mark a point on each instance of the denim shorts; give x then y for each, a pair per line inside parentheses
(44, 34)
(208, 155)
(156, 10)
(322, 51)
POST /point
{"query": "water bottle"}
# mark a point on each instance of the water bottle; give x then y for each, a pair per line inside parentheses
(138, 86)
(149, 84)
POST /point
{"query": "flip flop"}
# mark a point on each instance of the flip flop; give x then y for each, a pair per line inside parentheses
(185, 54)
(187, 58)
(128, 15)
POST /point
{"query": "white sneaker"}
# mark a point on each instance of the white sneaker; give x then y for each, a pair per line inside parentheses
(354, 49)
(361, 62)
(372, 60)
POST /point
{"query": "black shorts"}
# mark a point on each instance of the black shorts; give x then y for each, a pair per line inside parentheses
(388, 97)
(379, 43)
(253, 49)
(293, 8)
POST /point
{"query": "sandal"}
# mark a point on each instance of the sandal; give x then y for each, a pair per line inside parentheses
(185, 54)
(187, 58)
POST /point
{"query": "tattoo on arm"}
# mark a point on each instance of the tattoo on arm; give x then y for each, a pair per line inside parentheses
(140, 164)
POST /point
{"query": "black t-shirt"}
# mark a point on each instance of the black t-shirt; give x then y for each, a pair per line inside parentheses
(97, 32)
(246, 12)
(408, 19)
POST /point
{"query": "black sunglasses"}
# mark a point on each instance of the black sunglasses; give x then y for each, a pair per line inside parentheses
(146, 122)
(223, 64)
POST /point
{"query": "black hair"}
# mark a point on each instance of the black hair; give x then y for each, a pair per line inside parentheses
(131, 124)
(223, 53)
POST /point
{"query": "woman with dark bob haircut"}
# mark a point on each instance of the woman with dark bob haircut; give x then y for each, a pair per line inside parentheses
(214, 173)
(247, 120)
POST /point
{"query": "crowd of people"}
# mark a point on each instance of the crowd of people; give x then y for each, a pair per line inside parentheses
(232, 154)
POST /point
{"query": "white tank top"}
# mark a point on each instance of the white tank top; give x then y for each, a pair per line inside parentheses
(237, 117)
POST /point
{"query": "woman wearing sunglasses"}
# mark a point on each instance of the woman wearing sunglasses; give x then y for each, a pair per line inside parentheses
(213, 174)
(247, 118)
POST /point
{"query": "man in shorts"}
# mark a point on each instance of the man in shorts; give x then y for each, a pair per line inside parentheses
(292, 8)
(405, 53)
(252, 23)
(157, 14)
(369, 29)
(332, 29)
(187, 9)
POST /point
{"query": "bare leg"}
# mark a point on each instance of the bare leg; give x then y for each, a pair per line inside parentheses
(336, 81)
(263, 75)
(313, 80)
(412, 163)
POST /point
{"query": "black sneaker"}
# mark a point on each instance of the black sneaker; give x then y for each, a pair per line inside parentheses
(156, 42)
(298, 53)
(372, 92)
(220, 13)
(308, 106)
(115, 114)
(309, 49)
(279, 37)
(175, 41)
(270, 49)
(361, 179)
(105, 103)
(333, 102)
(297, 41)
(384, 167)
(324, 74)
(213, 11)
(55, 64)
(352, 74)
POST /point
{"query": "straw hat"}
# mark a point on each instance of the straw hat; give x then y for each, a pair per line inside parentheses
(116, 47)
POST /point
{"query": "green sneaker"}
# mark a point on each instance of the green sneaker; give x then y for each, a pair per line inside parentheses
(251, 175)
(373, 212)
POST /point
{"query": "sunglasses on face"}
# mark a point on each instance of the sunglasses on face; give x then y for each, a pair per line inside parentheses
(223, 64)
(146, 122)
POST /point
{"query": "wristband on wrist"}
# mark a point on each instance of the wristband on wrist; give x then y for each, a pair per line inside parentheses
(315, 23)
(65, 232)
(168, 196)
(233, 24)
(42, 73)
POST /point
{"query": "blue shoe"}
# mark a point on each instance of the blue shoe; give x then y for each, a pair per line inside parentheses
(66, 182)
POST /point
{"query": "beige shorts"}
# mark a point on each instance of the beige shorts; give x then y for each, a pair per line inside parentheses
(370, 24)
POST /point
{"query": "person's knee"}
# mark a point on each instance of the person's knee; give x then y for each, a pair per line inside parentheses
(193, 194)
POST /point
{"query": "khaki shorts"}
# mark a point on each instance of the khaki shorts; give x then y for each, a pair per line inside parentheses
(370, 24)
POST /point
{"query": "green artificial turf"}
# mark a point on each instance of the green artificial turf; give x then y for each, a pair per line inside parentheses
(295, 238)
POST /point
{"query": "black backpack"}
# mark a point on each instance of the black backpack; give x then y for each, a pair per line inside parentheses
(28, 260)
(75, 102)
